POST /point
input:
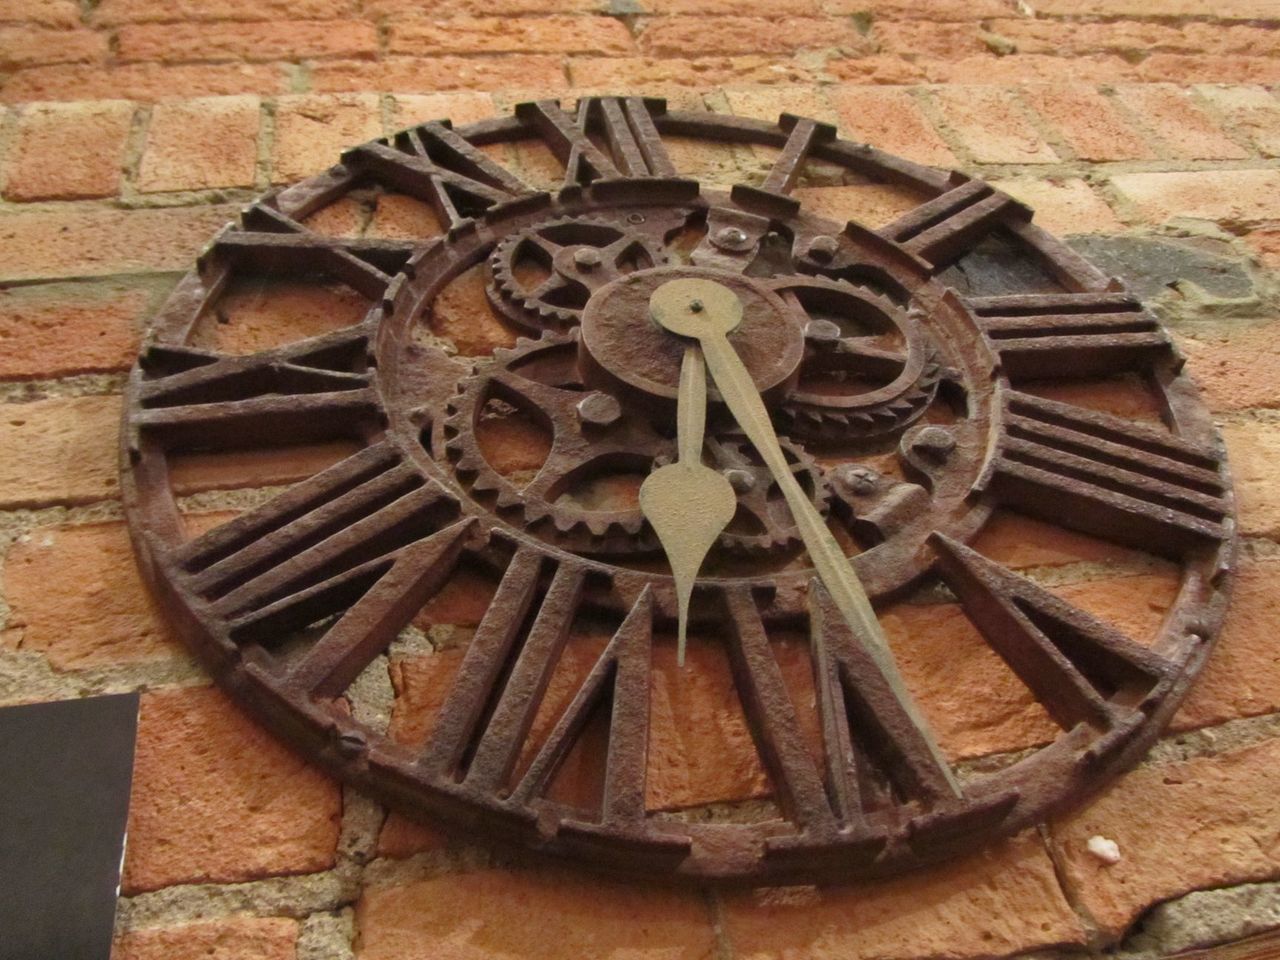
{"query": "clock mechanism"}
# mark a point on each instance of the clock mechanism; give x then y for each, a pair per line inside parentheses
(631, 415)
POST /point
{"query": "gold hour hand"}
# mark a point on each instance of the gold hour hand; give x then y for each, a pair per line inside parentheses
(688, 504)
(708, 311)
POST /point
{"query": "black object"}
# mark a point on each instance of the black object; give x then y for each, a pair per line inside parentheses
(64, 802)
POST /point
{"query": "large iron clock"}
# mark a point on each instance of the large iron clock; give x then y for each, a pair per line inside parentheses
(755, 422)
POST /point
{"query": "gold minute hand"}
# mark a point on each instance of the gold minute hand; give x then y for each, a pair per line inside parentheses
(718, 311)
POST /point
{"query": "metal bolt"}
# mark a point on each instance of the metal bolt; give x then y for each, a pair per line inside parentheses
(599, 409)
(588, 258)
(695, 306)
(731, 238)
(823, 248)
(936, 443)
(859, 480)
(742, 481)
(823, 331)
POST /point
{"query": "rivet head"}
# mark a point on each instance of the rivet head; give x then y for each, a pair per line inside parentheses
(859, 480)
(599, 409)
(731, 238)
(823, 248)
(936, 443)
(588, 258)
(822, 331)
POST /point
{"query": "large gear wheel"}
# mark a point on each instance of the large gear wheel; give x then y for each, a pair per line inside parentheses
(867, 370)
(591, 438)
(544, 275)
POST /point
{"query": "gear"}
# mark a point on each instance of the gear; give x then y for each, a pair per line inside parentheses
(581, 497)
(543, 276)
(867, 369)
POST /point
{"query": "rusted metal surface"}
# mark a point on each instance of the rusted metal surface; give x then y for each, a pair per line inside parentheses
(908, 411)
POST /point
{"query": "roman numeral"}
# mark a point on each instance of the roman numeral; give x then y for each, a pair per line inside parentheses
(626, 124)
(583, 160)
(314, 389)
(1081, 669)
(772, 197)
(366, 531)
(870, 738)
(268, 241)
(1067, 335)
(1107, 476)
(435, 164)
(943, 228)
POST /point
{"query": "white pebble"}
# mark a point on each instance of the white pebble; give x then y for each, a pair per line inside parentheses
(1108, 851)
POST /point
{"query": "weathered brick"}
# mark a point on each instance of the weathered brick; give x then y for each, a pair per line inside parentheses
(75, 595)
(34, 46)
(1064, 206)
(650, 73)
(936, 10)
(890, 120)
(1135, 38)
(702, 36)
(218, 799)
(1029, 68)
(1265, 242)
(1250, 111)
(143, 81)
(113, 12)
(401, 837)
(469, 916)
(197, 472)
(1002, 901)
(1242, 677)
(68, 151)
(312, 131)
(453, 316)
(768, 103)
(1254, 450)
(1227, 196)
(1202, 68)
(884, 70)
(1088, 122)
(1206, 822)
(408, 110)
(83, 242)
(600, 35)
(871, 204)
(433, 74)
(415, 10)
(258, 313)
(197, 144)
(59, 451)
(286, 40)
(1186, 131)
(49, 13)
(987, 120)
(917, 39)
(229, 938)
(1227, 10)
(56, 330)
(722, 8)
(1236, 368)
(1018, 542)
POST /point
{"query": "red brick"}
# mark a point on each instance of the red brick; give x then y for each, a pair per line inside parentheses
(1186, 131)
(1265, 242)
(987, 120)
(1029, 68)
(59, 451)
(218, 799)
(414, 9)
(1227, 196)
(432, 74)
(701, 36)
(1019, 542)
(890, 120)
(312, 131)
(1251, 112)
(231, 938)
(68, 151)
(470, 916)
(197, 144)
(33, 46)
(1135, 38)
(1064, 206)
(1242, 677)
(75, 595)
(49, 13)
(408, 110)
(1253, 449)
(935, 10)
(1206, 822)
(401, 837)
(143, 81)
(650, 73)
(197, 472)
(150, 11)
(600, 35)
(921, 38)
(258, 313)
(82, 242)
(454, 316)
(54, 331)
(875, 70)
(1236, 368)
(286, 40)
(1088, 122)
(1004, 900)
(1167, 9)
(722, 8)
(871, 204)
(1177, 68)
(768, 103)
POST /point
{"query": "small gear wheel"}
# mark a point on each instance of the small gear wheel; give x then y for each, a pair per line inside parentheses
(867, 369)
(543, 276)
(581, 496)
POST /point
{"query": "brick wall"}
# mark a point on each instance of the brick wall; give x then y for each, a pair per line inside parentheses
(1148, 131)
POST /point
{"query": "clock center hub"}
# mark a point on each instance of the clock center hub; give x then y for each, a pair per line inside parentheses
(625, 346)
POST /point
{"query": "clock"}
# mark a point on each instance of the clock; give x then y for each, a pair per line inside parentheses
(754, 428)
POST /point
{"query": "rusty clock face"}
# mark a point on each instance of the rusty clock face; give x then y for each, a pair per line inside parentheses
(491, 405)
